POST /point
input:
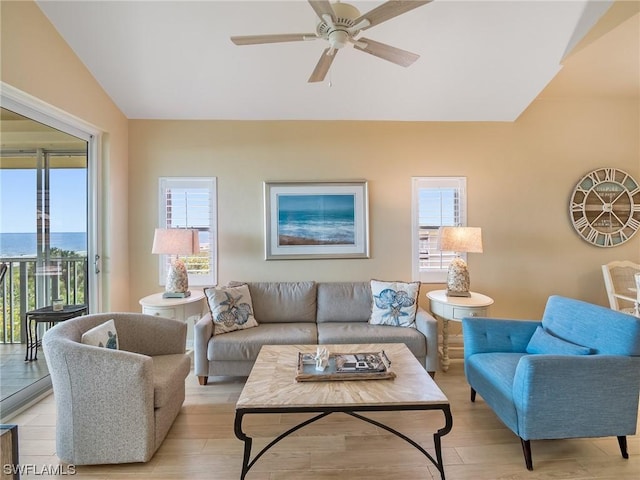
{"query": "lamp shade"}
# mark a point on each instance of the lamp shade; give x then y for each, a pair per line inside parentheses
(461, 239)
(175, 241)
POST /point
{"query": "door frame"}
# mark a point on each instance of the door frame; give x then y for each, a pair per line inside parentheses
(29, 106)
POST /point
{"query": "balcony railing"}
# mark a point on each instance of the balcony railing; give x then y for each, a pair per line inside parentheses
(32, 283)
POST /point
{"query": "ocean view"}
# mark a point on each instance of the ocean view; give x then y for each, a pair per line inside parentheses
(322, 228)
(24, 244)
(316, 219)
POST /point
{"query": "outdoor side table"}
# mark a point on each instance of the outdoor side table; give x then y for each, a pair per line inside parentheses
(50, 317)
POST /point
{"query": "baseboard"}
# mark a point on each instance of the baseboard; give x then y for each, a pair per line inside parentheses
(25, 398)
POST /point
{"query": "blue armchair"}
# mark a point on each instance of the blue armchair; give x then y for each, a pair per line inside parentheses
(574, 374)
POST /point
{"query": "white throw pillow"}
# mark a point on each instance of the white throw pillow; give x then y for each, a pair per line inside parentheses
(231, 308)
(104, 335)
(394, 303)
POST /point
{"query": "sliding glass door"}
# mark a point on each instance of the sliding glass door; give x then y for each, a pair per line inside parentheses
(45, 236)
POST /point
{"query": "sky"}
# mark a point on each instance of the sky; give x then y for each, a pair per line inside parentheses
(68, 197)
(330, 202)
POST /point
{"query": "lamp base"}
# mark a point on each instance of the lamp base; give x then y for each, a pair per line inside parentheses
(458, 278)
(176, 294)
(453, 293)
(177, 280)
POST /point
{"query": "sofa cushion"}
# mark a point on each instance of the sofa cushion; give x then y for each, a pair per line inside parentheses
(231, 308)
(103, 335)
(545, 343)
(491, 375)
(357, 332)
(394, 303)
(169, 373)
(246, 344)
(344, 302)
(280, 302)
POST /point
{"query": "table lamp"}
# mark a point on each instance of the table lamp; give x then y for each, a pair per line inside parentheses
(459, 240)
(176, 241)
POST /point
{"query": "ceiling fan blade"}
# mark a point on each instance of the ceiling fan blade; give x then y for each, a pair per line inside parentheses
(389, 10)
(322, 7)
(386, 52)
(322, 67)
(275, 38)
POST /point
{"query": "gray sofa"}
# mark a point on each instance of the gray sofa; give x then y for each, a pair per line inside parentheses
(291, 313)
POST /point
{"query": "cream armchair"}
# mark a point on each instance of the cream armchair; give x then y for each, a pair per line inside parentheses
(116, 406)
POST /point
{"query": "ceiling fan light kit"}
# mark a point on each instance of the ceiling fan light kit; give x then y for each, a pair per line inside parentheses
(340, 24)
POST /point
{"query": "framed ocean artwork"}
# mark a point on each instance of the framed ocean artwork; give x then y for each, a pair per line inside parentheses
(315, 220)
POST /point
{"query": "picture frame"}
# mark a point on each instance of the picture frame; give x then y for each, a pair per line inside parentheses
(316, 220)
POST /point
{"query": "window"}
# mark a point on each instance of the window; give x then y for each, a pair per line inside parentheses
(191, 203)
(436, 202)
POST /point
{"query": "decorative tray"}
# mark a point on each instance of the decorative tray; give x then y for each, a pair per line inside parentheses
(345, 366)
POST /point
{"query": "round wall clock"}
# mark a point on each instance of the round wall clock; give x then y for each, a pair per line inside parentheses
(605, 207)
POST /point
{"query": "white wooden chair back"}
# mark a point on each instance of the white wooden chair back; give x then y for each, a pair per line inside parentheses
(621, 286)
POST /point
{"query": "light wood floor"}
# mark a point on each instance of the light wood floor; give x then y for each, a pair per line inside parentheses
(17, 374)
(202, 445)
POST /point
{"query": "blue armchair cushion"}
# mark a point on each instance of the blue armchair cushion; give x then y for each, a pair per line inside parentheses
(544, 342)
(607, 331)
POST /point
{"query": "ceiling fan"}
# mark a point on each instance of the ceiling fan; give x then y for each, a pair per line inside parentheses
(340, 24)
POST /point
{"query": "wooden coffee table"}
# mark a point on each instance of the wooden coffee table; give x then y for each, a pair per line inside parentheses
(271, 388)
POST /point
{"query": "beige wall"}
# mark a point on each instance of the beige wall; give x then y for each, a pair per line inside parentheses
(520, 177)
(37, 61)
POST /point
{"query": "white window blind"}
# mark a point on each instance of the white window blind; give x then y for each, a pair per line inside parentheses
(436, 202)
(190, 202)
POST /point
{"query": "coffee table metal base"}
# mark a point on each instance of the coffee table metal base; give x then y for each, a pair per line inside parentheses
(323, 412)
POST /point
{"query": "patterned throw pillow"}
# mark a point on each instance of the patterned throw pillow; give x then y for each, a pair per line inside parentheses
(104, 336)
(394, 303)
(231, 308)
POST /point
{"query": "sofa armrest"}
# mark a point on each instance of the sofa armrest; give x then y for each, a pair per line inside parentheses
(485, 335)
(562, 396)
(428, 326)
(202, 333)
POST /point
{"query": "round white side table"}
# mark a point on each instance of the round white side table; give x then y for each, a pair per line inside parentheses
(455, 309)
(189, 309)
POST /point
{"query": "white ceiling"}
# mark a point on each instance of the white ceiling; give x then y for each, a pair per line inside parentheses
(479, 60)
